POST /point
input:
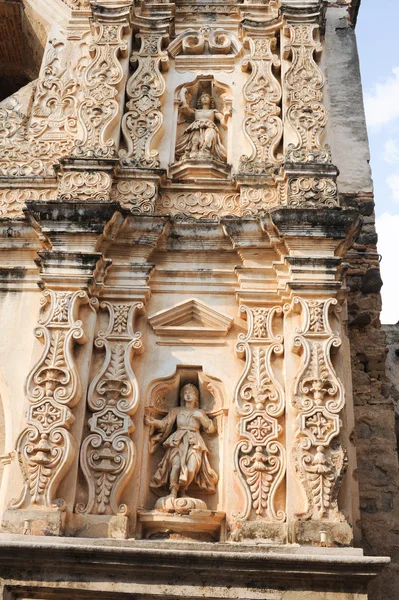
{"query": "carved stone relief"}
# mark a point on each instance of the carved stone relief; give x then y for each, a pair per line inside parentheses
(145, 89)
(318, 398)
(12, 200)
(259, 457)
(84, 185)
(262, 93)
(193, 205)
(135, 195)
(254, 201)
(102, 78)
(312, 192)
(304, 83)
(108, 455)
(45, 447)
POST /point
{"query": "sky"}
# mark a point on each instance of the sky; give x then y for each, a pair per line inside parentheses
(377, 38)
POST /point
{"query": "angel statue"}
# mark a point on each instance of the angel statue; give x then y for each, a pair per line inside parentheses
(186, 458)
(201, 139)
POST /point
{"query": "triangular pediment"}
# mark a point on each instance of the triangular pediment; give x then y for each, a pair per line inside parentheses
(190, 319)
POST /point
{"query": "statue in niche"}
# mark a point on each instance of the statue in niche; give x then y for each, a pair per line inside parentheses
(201, 139)
(186, 458)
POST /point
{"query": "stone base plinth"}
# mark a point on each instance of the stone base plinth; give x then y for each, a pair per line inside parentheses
(311, 533)
(35, 521)
(98, 526)
(261, 532)
(189, 169)
(204, 525)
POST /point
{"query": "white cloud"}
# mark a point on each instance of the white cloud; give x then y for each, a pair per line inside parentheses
(393, 184)
(391, 152)
(382, 104)
(387, 229)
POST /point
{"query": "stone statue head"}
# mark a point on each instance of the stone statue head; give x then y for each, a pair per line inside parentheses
(189, 396)
(205, 101)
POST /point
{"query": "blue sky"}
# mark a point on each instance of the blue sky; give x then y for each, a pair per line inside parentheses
(377, 38)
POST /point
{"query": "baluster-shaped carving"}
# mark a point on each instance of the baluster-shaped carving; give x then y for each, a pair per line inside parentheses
(108, 455)
(262, 93)
(102, 80)
(145, 88)
(259, 457)
(304, 83)
(318, 398)
(45, 448)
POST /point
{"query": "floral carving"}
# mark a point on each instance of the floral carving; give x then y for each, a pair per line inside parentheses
(136, 196)
(108, 454)
(145, 88)
(312, 192)
(13, 201)
(100, 106)
(254, 201)
(318, 397)
(198, 205)
(259, 400)
(262, 93)
(45, 447)
(304, 84)
(85, 185)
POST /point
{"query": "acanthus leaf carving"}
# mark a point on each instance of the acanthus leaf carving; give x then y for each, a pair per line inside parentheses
(318, 398)
(108, 454)
(45, 447)
(262, 93)
(145, 88)
(259, 457)
(304, 83)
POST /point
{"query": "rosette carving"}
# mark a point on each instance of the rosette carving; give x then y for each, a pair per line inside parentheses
(304, 84)
(45, 447)
(108, 454)
(145, 88)
(262, 93)
(259, 457)
(318, 397)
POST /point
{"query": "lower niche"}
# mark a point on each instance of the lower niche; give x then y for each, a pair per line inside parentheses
(184, 418)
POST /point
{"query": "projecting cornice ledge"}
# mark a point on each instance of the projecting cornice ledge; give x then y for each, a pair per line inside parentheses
(324, 222)
(160, 564)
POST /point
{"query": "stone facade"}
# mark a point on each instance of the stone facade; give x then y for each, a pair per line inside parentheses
(193, 373)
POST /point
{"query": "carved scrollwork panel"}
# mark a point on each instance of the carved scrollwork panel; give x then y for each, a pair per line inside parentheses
(136, 196)
(99, 107)
(262, 93)
(198, 205)
(318, 398)
(144, 117)
(312, 192)
(304, 84)
(107, 455)
(259, 456)
(45, 447)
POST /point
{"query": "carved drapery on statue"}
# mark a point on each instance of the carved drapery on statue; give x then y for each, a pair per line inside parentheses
(259, 457)
(186, 455)
(108, 454)
(45, 448)
(318, 398)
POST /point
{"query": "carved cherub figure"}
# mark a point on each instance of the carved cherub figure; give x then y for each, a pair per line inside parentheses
(201, 139)
(186, 457)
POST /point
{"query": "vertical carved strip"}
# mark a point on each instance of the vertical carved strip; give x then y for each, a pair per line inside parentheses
(262, 93)
(108, 455)
(259, 457)
(318, 399)
(304, 83)
(100, 107)
(45, 448)
(144, 117)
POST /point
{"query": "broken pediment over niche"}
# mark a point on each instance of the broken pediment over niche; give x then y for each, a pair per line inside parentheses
(214, 48)
(190, 319)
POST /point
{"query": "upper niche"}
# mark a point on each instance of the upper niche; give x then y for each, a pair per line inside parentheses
(190, 319)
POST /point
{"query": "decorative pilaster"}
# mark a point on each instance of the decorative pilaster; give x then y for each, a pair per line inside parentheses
(103, 79)
(108, 454)
(145, 88)
(259, 458)
(45, 447)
